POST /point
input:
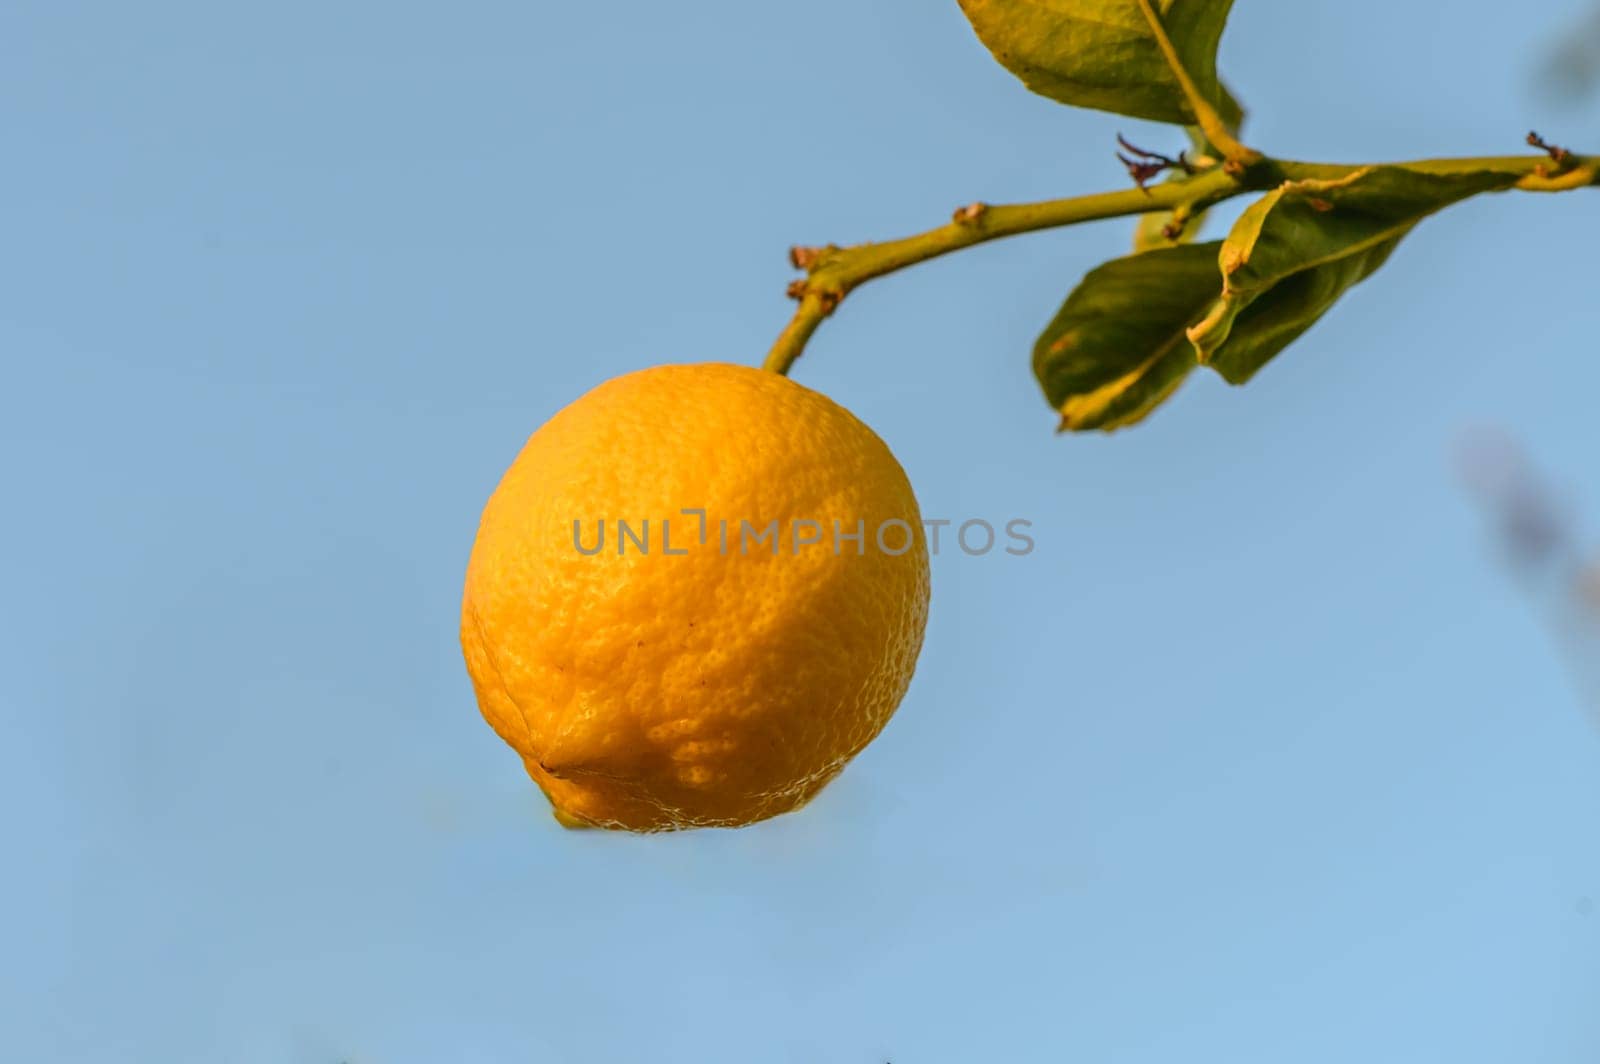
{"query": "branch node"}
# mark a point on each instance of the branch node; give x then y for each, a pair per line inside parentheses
(1178, 223)
(802, 257)
(825, 297)
(971, 214)
(1561, 156)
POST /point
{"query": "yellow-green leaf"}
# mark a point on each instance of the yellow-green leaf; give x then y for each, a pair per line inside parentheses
(1117, 347)
(1295, 251)
(1101, 54)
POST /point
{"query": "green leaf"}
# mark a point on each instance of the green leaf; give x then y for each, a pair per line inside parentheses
(1117, 348)
(1296, 250)
(1101, 54)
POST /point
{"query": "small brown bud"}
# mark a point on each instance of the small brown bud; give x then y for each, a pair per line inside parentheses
(971, 214)
(803, 258)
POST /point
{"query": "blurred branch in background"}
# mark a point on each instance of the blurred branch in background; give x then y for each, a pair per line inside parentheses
(1573, 69)
(1539, 538)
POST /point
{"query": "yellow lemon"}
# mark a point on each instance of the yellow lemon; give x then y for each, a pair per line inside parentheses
(697, 593)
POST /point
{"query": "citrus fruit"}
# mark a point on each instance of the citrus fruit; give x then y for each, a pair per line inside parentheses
(696, 594)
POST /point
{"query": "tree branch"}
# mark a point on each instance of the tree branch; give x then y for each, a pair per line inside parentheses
(835, 272)
(1538, 172)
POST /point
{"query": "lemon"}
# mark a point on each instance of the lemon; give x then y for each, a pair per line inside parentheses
(696, 594)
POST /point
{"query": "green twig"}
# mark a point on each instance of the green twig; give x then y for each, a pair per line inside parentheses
(792, 341)
(835, 272)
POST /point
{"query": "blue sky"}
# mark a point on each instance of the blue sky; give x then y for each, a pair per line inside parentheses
(1260, 756)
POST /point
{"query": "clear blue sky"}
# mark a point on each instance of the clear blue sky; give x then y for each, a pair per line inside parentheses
(1259, 757)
